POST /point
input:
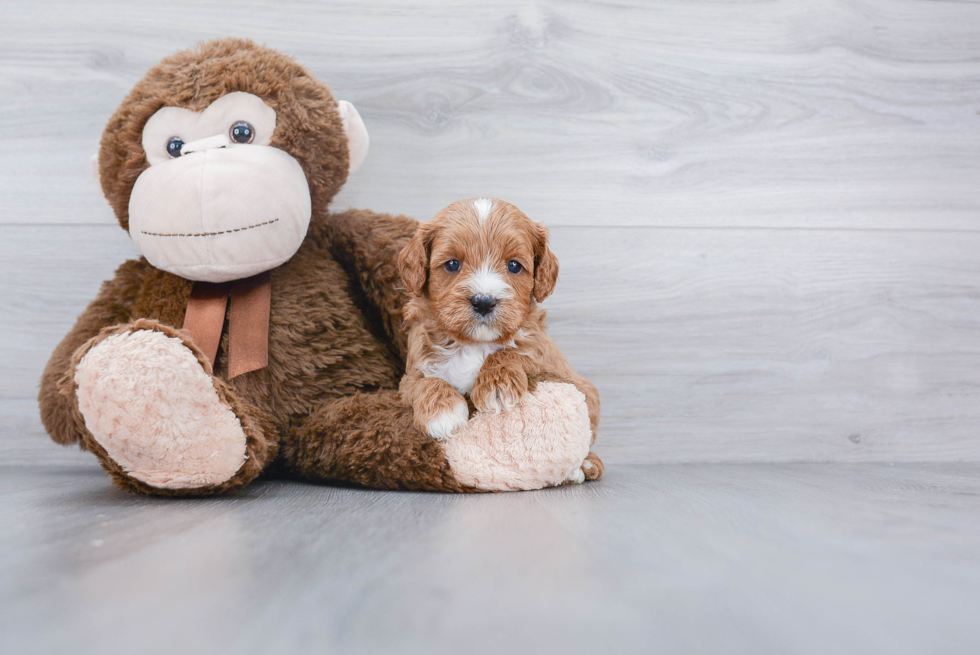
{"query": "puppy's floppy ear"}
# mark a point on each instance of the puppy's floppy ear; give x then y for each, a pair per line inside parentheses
(413, 261)
(545, 265)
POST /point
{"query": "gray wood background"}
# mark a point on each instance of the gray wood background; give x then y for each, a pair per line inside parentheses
(768, 218)
(767, 213)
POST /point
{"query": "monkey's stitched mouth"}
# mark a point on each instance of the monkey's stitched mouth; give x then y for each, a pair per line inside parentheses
(207, 234)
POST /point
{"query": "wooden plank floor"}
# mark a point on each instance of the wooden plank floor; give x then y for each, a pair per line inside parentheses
(768, 219)
(707, 558)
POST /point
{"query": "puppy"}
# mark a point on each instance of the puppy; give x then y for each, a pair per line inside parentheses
(474, 275)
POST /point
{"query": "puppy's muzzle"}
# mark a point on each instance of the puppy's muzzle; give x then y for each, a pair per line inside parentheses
(483, 304)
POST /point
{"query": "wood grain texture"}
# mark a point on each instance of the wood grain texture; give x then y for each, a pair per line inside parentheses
(766, 214)
(706, 345)
(774, 113)
(791, 558)
(793, 275)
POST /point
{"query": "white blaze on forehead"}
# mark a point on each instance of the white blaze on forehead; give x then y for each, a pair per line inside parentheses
(488, 282)
(482, 207)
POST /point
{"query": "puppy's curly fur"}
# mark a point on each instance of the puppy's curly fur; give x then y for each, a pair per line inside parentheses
(475, 275)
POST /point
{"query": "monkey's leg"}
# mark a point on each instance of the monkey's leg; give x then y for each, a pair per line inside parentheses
(370, 440)
(145, 401)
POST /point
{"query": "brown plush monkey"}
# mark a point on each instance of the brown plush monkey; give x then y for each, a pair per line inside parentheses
(259, 328)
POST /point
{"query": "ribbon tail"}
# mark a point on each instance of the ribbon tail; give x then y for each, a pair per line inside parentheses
(248, 324)
(205, 316)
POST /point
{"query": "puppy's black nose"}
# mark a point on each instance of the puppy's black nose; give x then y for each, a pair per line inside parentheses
(482, 304)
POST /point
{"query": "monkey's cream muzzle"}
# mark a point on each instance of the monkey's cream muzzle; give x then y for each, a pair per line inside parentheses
(220, 211)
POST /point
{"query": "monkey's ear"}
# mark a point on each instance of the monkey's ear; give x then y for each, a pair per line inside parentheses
(413, 261)
(357, 135)
(545, 266)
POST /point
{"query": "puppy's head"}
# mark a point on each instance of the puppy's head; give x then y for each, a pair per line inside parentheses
(480, 264)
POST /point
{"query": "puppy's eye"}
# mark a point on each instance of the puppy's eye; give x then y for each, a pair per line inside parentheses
(174, 145)
(451, 266)
(242, 132)
(514, 267)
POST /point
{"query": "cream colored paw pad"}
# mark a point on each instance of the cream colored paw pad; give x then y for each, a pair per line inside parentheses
(541, 442)
(152, 407)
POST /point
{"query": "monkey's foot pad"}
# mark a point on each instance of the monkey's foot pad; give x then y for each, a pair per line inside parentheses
(542, 442)
(150, 404)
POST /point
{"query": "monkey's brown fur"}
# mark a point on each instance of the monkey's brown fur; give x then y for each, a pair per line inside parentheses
(325, 407)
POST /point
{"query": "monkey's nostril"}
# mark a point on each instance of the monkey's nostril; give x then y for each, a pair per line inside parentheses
(483, 304)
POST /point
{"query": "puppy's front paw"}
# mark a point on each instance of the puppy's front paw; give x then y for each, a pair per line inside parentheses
(443, 425)
(499, 388)
(439, 410)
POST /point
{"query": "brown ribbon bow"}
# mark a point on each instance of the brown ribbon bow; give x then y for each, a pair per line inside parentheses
(248, 321)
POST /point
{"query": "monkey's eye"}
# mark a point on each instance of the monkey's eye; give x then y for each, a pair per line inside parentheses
(174, 145)
(242, 132)
(514, 266)
(452, 266)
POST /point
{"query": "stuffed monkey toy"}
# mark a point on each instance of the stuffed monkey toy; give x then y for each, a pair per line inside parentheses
(259, 330)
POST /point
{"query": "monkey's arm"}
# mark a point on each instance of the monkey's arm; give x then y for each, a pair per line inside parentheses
(367, 245)
(112, 306)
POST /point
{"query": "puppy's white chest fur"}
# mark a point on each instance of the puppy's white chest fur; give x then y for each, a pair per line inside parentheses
(459, 364)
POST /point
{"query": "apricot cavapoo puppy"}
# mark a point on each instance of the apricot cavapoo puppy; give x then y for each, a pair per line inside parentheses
(474, 276)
